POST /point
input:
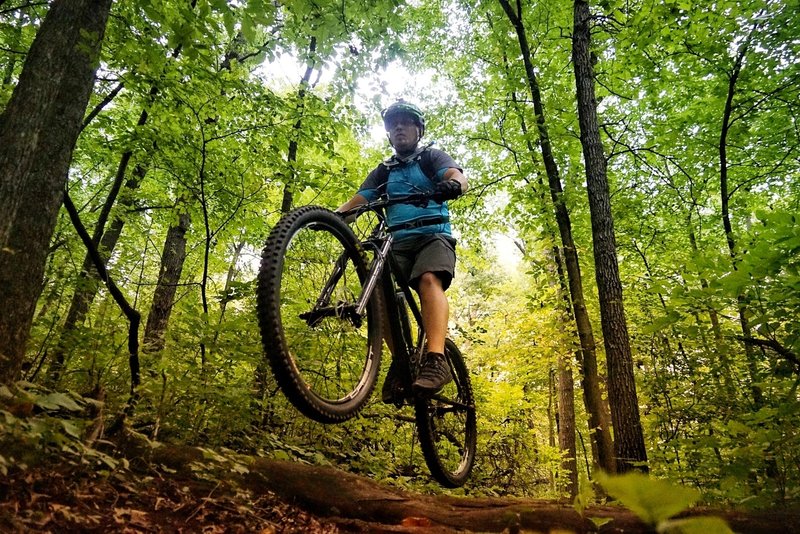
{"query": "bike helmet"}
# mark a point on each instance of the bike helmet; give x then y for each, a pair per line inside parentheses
(401, 107)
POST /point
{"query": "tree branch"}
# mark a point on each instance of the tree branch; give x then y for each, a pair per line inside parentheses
(133, 316)
(773, 345)
(99, 107)
(20, 8)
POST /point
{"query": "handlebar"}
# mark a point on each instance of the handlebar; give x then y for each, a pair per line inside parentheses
(384, 201)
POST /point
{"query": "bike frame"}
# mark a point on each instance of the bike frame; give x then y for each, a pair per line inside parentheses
(398, 297)
(398, 300)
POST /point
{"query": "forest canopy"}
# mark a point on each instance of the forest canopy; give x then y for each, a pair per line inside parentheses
(201, 122)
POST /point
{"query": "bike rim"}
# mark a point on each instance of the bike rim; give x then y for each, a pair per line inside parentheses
(332, 357)
(451, 422)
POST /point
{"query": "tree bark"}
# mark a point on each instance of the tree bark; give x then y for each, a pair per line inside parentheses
(173, 257)
(566, 427)
(602, 445)
(38, 131)
(628, 436)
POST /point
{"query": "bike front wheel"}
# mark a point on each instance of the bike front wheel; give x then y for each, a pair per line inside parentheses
(324, 355)
(447, 425)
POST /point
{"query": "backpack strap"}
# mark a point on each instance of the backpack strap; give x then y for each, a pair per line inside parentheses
(423, 156)
(426, 164)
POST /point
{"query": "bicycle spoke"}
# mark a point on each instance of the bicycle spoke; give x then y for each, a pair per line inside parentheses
(447, 426)
(325, 356)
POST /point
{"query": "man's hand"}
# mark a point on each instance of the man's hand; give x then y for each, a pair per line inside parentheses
(448, 189)
(349, 219)
(351, 204)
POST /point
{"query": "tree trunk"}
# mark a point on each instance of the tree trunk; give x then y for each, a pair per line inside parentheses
(552, 418)
(89, 280)
(628, 436)
(725, 196)
(566, 427)
(566, 392)
(602, 445)
(38, 131)
(288, 194)
(233, 272)
(172, 260)
(363, 505)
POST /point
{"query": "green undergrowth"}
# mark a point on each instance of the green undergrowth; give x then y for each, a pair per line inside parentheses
(38, 426)
(656, 502)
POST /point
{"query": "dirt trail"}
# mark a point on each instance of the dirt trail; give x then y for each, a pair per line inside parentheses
(180, 489)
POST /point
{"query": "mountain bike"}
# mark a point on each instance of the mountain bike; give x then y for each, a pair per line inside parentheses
(322, 296)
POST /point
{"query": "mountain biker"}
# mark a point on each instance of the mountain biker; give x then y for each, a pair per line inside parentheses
(426, 254)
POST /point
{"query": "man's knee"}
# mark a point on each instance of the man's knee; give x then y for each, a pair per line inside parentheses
(430, 281)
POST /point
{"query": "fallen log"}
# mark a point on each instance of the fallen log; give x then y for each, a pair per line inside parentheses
(360, 504)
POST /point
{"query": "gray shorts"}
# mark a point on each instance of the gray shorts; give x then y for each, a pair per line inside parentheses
(434, 253)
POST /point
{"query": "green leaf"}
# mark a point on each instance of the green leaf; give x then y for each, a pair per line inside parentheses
(240, 468)
(695, 525)
(109, 461)
(54, 401)
(652, 500)
(71, 428)
(248, 30)
(737, 428)
(584, 497)
(281, 455)
(600, 521)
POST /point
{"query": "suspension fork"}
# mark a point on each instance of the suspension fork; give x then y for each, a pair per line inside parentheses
(375, 270)
(352, 311)
(327, 290)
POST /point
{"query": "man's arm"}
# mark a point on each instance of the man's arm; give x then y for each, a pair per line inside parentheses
(454, 174)
(442, 160)
(356, 201)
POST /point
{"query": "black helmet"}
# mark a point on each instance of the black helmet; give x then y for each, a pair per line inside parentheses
(401, 107)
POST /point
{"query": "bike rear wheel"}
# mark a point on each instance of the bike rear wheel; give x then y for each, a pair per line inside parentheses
(324, 356)
(447, 425)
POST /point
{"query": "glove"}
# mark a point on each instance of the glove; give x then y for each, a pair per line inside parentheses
(448, 189)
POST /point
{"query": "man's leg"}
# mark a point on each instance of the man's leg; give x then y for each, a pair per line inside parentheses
(435, 371)
(435, 310)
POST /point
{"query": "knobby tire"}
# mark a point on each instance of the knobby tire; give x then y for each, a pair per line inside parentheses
(327, 367)
(447, 426)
